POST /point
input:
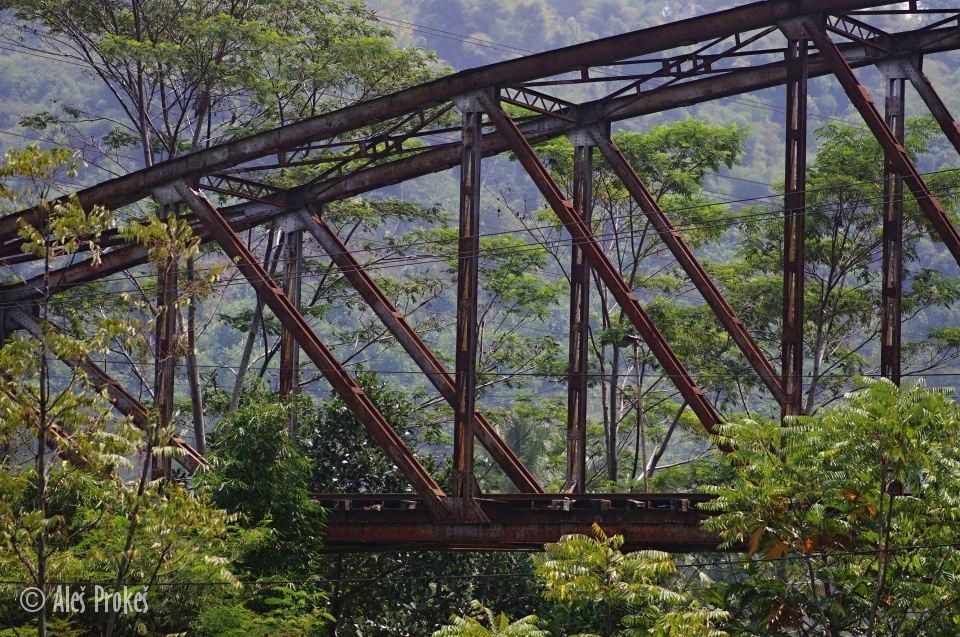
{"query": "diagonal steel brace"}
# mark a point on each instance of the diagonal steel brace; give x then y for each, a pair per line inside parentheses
(393, 319)
(690, 264)
(342, 383)
(582, 234)
(121, 399)
(895, 152)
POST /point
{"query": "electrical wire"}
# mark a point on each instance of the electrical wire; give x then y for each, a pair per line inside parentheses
(517, 574)
(407, 261)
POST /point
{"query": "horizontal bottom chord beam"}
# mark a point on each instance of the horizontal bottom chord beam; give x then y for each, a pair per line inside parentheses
(367, 522)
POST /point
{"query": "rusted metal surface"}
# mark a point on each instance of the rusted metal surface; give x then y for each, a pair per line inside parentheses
(343, 384)
(407, 337)
(672, 238)
(582, 234)
(124, 402)
(365, 147)
(910, 67)
(669, 522)
(292, 274)
(578, 342)
(794, 228)
(467, 332)
(895, 152)
(892, 285)
(537, 129)
(130, 188)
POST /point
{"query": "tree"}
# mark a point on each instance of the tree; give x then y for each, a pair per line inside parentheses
(842, 250)
(594, 589)
(259, 473)
(483, 622)
(73, 506)
(187, 75)
(849, 516)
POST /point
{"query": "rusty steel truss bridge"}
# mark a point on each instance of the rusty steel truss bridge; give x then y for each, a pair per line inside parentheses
(394, 138)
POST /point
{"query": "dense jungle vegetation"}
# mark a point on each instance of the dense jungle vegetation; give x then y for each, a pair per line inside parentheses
(849, 515)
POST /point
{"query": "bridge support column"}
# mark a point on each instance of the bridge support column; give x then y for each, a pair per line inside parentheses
(292, 276)
(577, 379)
(468, 262)
(794, 227)
(892, 287)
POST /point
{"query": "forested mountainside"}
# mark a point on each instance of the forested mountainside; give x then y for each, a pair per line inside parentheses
(848, 517)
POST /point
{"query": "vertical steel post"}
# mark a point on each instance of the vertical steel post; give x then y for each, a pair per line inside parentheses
(577, 388)
(794, 227)
(468, 261)
(292, 274)
(892, 229)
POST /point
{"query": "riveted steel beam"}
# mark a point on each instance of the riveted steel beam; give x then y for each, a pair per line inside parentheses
(468, 268)
(342, 383)
(892, 285)
(910, 67)
(583, 235)
(292, 277)
(425, 359)
(669, 522)
(578, 341)
(246, 215)
(794, 228)
(894, 150)
(130, 188)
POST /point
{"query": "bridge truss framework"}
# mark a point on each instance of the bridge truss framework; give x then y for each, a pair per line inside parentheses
(392, 139)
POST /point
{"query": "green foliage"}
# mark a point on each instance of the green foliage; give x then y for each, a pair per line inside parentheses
(595, 589)
(343, 457)
(193, 73)
(861, 500)
(483, 622)
(606, 592)
(842, 247)
(259, 473)
(88, 512)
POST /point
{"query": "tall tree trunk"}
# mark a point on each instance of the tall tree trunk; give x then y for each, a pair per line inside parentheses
(613, 431)
(193, 369)
(272, 259)
(41, 460)
(658, 452)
